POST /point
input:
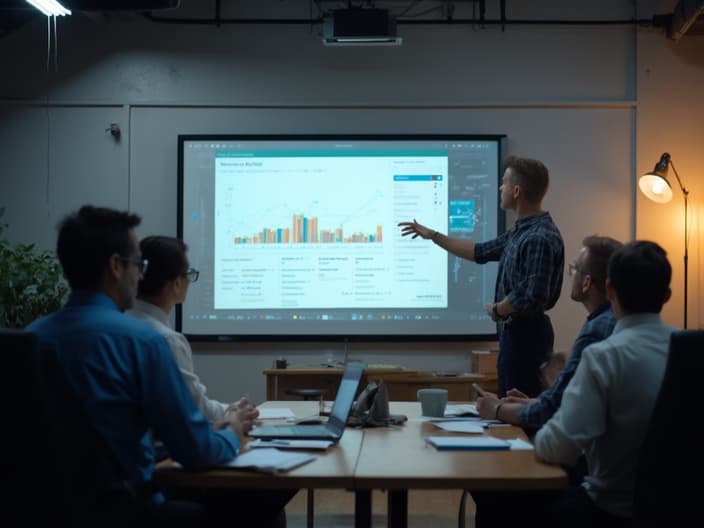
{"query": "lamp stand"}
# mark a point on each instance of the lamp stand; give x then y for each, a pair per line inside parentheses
(685, 193)
(686, 255)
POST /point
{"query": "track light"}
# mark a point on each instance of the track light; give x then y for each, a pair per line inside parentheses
(50, 7)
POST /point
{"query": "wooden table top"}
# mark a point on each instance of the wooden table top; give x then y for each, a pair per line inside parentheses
(393, 458)
(333, 468)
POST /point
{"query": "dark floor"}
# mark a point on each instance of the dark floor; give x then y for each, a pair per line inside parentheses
(335, 508)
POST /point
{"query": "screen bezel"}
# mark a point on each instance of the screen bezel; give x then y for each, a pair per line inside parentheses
(500, 139)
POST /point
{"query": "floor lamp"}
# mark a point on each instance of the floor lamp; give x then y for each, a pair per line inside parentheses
(655, 186)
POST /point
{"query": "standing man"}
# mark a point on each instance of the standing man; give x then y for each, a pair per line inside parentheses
(531, 258)
(588, 272)
(124, 374)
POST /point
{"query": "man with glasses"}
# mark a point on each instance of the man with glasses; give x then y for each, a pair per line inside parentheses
(125, 375)
(163, 286)
(588, 273)
(607, 406)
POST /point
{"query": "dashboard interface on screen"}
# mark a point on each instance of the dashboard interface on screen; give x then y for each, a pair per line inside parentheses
(298, 236)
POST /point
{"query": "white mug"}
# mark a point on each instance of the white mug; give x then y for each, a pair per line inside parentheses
(433, 401)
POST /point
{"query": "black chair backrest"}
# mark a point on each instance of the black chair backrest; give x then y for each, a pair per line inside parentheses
(59, 469)
(31, 484)
(671, 458)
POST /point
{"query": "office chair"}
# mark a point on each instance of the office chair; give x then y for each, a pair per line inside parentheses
(670, 457)
(57, 470)
(30, 487)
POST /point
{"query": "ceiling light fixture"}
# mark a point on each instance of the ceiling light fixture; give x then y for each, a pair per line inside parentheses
(50, 7)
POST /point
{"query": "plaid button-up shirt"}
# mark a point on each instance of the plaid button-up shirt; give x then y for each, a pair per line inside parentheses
(531, 259)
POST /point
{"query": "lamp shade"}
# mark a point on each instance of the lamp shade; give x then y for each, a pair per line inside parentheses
(654, 184)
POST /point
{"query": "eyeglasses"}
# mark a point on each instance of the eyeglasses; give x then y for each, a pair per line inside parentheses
(572, 268)
(141, 263)
(192, 274)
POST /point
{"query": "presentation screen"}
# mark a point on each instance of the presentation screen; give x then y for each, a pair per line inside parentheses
(297, 236)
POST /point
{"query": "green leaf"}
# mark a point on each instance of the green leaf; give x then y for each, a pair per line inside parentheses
(31, 282)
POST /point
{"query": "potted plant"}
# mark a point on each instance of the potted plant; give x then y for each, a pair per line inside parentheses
(31, 282)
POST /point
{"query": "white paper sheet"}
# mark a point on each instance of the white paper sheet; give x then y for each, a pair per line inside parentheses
(460, 427)
(464, 409)
(291, 444)
(518, 444)
(270, 460)
(274, 413)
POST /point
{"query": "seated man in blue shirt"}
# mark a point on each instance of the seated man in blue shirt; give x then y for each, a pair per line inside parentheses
(588, 272)
(125, 375)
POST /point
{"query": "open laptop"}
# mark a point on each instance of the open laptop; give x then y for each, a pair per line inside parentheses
(334, 427)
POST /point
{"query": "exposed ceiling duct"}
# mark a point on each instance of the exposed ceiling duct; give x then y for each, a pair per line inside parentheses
(367, 24)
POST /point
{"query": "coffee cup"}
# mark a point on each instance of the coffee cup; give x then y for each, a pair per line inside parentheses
(433, 401)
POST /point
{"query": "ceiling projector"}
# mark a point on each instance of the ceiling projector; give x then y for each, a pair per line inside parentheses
(360, 27)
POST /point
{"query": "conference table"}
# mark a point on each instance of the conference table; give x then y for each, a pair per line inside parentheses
(396, 459)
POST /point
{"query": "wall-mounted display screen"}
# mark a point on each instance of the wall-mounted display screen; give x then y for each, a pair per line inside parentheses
(297, 237)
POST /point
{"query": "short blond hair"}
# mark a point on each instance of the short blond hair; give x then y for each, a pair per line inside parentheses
(532, 175)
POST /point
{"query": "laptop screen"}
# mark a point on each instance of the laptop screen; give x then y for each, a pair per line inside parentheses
(345, 394)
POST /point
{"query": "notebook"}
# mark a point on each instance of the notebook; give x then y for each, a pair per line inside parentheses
(467, 443)
(334, 427)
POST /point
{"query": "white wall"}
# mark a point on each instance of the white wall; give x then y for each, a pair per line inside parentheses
(671, 119)
(575, 97)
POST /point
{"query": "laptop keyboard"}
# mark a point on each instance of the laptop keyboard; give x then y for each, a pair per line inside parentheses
(299, 429)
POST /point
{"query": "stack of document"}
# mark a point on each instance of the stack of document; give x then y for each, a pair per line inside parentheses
(464, 409)
(470, 419)
(461, 427)
(290, 444)
(274, 413)
(480, 443)
(270, 460)
(464, 442)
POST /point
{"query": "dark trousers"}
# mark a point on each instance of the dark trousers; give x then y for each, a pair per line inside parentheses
(549, 509)
(194, 508)
(243, 507)
(525, 343)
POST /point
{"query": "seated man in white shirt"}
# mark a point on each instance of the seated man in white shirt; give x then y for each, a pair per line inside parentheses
(164, 285)
(606, 407)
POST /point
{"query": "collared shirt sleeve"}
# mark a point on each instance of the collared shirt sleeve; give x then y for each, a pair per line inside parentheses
(213, 410)
(538, 275)
(581, 417)
(534, 415)
(491, 250)
(168, 405)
